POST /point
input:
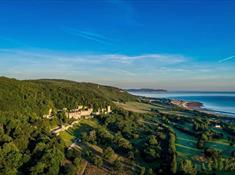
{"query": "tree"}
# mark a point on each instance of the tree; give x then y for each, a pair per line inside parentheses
(38, 169)
(77, 161)
(10, 158)
(203, 167)
(62, 117)
(142, 170)
(186, 167)
(117, 165)
(131, 155)
(92, 136)
(124, 144)
(150, 171)
(84, 137)
(108, 153)
(172, 152)
(212, 153)
(150, 154)
(97, 161)
(69, 169)
(151, 149)
(200, 144)
(153, 140)
(173, 166)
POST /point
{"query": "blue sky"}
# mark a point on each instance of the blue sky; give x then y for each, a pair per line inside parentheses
(176, 45)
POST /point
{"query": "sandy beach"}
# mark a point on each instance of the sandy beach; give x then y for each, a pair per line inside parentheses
(187, 104)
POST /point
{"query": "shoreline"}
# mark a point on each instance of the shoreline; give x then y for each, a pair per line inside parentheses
(198, 106)
(190, 105)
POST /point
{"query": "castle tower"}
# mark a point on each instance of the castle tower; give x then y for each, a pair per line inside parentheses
(109, 109)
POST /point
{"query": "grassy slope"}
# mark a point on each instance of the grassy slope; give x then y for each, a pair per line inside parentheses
(136, 107)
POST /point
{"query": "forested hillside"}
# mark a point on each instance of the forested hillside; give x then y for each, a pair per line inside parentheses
(37, 96)
(26, 144)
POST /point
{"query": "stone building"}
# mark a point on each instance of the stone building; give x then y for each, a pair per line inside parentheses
(80, 112)
(106, 110)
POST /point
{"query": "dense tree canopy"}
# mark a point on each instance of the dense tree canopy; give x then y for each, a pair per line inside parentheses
(26, 145)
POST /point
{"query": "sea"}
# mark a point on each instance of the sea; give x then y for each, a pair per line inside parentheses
(216, 102)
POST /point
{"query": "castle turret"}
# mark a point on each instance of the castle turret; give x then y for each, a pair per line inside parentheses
(109, 109)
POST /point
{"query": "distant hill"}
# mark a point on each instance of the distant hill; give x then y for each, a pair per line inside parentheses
(146, 90)
(37, 96)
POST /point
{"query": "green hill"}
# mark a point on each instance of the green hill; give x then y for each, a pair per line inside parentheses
(37, 96)
(26, 143)
(136, 138)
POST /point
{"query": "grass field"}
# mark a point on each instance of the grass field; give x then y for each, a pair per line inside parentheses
(67, 137)
(186, 144)
(136, 107)
(140, 107)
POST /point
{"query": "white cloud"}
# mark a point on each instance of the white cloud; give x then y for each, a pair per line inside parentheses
(40, 56)
(160, 58)
(88, 35)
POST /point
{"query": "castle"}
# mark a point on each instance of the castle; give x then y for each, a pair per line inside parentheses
(79, 112)
(85, 112)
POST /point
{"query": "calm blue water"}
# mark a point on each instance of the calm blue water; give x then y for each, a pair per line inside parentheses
(221, 102)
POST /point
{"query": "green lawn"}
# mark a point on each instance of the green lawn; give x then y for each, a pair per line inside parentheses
(67, 137)
(224, 148)
(189, 151)
(186, 144)
(136, 107)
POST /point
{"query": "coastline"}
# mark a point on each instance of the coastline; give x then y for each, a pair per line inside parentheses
(190, 105)
(198, 106)
(194, 103)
